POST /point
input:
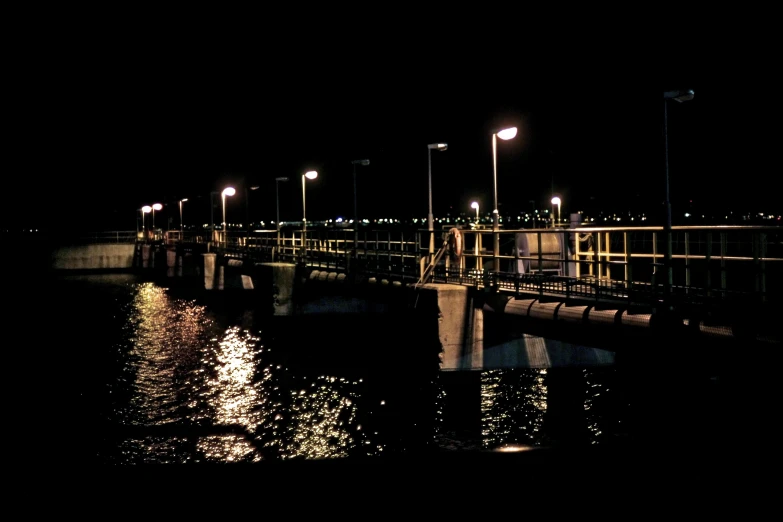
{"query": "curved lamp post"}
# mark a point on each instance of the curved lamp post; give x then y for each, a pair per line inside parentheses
(476, 206)
(505, 134)
(364, 163)
(146, 209)
(156, 206)
(277, 205)
(678, 96)
(311, 174)
(277, 198)
(181, 223)
(430, 226)
(228, 191)
(556, 203)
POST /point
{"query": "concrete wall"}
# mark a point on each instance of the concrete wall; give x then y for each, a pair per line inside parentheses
(93, 257)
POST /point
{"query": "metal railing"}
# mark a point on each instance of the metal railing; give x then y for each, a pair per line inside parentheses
(707, 263)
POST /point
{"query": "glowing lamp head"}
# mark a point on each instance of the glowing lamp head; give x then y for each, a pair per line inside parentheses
(438, 146)
(146, 209)
(157, 206)
(555, 200)
(229, 191)
(507, 134)
(474, 205)
(311, 174)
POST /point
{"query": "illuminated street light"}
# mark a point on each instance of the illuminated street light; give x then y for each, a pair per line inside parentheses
(678, 96)
(363, 162)
(430, 225)
(228, 191)
(156, 206)
(505, 134)
(181, 224)
(307, 175)
(476, 206)
(556, 202)
(146, 209)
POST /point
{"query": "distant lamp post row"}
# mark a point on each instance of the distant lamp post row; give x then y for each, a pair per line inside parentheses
(146, 209)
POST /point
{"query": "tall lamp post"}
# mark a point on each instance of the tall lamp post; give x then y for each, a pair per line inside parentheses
(505, 134)
(678, 96)
(146, 209)
(228, 191)
(363, 162)
(311, 174)
(156, 206)
(277, 198)
(556, 203)
(181, 223)
(430, 225)
(277, 205)
(478, 235)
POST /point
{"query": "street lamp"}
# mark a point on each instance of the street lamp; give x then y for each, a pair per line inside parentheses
(678, 96)
(505, 134)
(146, 209)
(430, 226)
(476, 206)
(277, 205)
(556, 202)
(311, 174)
(277, 198)
(156, 206)
(181, 224)
(228, 191)
(363, 162)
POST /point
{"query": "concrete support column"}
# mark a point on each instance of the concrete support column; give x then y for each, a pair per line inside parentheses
(145, 256)
(210, 261)
(279, 280)
(460, 327)
(171, 261)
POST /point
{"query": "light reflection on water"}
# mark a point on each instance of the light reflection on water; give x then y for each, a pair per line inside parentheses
(182, 381)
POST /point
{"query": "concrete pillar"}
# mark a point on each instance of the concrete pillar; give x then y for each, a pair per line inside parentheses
(145, 256)
(209, 270)
(460, 327)
(278, 279)
(171, 261)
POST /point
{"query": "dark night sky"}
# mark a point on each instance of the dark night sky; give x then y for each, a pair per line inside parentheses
(109, 122)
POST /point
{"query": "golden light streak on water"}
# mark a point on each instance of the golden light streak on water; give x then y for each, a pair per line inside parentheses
(513, 405)
(323, 419)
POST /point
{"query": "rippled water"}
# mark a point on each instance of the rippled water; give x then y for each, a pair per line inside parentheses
(147, 374)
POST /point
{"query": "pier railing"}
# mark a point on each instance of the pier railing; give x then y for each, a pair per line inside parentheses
(709, 265)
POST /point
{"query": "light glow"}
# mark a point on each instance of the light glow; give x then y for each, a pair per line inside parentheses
(507, 134)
